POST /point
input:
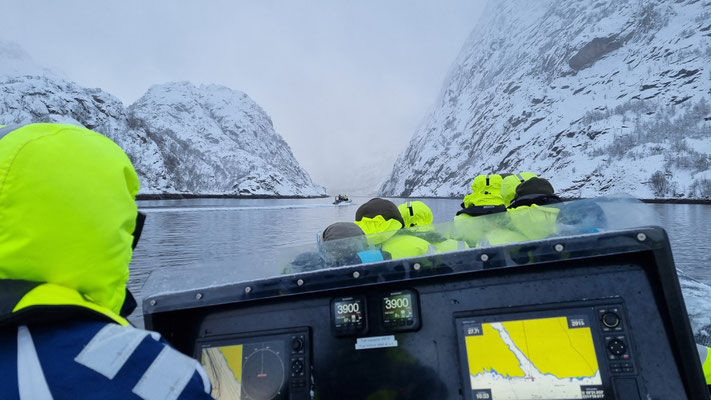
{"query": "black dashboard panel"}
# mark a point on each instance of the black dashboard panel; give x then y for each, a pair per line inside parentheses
(603, 319)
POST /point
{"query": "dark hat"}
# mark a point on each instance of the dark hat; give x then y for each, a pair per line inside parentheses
(378, 206)
(340, 230)
(534, 186)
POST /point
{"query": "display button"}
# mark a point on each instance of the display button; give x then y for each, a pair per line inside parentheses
(617, 347)
(297, 344)
(297, 366)
(610, 319)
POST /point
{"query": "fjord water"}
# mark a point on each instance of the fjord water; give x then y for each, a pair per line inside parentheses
(189, 236)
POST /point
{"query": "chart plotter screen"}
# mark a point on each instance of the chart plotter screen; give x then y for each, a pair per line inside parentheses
(544, 358)
(250, 371)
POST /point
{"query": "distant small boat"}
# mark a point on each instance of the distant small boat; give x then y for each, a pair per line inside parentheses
(341, 199)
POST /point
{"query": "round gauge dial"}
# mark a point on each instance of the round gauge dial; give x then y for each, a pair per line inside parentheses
(263, 374)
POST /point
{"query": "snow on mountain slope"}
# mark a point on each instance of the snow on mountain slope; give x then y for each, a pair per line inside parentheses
(181, 139)
(27, 99)
(217, 140)
(599, 97)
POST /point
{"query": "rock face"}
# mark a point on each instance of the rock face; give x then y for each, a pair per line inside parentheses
(182, 139)
(27, 99)
(599, 97)
(217, 140)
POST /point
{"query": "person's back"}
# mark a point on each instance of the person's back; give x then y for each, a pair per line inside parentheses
(530, 211)
(482, 221)
(418, 220)
(67, 221)
(382, 222)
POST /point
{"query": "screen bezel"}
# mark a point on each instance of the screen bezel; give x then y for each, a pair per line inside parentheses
(588, 309)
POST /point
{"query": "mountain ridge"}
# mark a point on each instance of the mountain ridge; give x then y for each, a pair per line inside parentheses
(183, 139)
(586, 95)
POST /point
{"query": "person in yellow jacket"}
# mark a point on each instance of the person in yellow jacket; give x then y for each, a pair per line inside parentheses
(68, 223)
(382, 222)
(532, 211)
(418, 220)
(482, 221)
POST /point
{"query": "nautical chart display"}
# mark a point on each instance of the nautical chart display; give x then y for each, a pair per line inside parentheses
(250, 371)
(551, 358)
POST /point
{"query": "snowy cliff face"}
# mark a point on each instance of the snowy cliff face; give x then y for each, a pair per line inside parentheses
(181, 139)
(28, 99)
(217, 140)
(599, 97)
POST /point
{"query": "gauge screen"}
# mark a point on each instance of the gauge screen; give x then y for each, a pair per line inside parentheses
(348, 314)
(399, 310)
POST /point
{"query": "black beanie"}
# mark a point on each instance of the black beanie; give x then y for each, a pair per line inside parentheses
(534, 186)
(378, 206)
(340, 230)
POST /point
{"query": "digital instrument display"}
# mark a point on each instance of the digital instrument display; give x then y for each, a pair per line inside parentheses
(348, 314)
(400, 311)
(262, 367)
(250, 371)
(523, 359)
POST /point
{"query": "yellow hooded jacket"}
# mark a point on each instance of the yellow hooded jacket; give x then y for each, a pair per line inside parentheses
(67, 216)
(418, 219)
(386, 234)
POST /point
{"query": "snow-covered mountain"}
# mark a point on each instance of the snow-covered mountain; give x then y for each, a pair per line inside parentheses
(599, 97)
(217, 140)
(181, 138)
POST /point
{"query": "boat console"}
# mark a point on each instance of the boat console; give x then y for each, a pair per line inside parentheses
(598, 315)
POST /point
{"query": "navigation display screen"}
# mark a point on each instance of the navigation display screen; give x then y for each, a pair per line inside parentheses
(524, 359)
(250, 371)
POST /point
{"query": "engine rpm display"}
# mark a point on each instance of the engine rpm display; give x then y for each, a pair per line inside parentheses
(400, 310)
(348, 315)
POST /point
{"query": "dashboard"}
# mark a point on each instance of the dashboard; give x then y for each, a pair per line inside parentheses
(602, 320)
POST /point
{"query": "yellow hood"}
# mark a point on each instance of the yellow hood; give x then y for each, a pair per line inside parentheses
(486, 191)
(378, 229)
(67, 211)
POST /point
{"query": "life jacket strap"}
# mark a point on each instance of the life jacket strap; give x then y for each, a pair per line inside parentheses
(476, 211)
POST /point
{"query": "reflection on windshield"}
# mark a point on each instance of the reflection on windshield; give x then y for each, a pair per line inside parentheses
(571, 218)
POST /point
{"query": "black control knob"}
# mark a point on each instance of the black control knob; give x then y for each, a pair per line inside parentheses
(610, 319)
(617, 347)
(297, 344)
(297, 366)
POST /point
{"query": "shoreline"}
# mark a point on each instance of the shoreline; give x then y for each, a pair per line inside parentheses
(179, 196)
(677, 201)
(655, 201)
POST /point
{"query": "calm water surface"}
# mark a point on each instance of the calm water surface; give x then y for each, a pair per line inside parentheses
(235, 239)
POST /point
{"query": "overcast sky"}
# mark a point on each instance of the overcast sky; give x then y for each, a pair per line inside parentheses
(345, 82)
